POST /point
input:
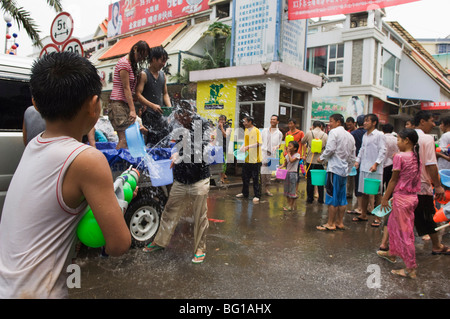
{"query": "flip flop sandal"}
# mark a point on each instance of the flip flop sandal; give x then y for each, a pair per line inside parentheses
(444, 251)
(404, 273)
(385, 255)
(325, 228)
(151, 248)
(375, 223)
(353, 212)
(196, 259)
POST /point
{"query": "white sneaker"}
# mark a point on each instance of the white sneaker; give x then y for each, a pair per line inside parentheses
(240, 195)
(255, 200)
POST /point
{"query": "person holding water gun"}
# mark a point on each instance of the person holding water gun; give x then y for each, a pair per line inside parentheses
(57, 179)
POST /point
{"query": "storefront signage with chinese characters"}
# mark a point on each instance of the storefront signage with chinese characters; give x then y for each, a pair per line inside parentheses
(305, 9)
(434, 106)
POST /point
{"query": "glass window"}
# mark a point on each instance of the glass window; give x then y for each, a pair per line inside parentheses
(316, 60)
(252, 93)
(328, 60)
(333, 51)
(15, 98)
(340, 52)
(390, 71)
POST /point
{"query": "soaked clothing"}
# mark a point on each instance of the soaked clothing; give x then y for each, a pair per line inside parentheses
(194, 168)
(156, 124)
(182, 196)
(336, 190)
(405, 200)
(38, 232)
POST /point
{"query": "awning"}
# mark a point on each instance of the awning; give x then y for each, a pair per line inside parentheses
(187, 38)
(154, 38)
(407, 102)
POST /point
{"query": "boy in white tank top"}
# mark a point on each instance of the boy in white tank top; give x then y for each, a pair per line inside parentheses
(57, 178)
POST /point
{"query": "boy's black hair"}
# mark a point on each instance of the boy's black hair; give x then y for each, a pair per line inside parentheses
(295, 144)
(292, 120)
(350, 120)
(60, 84)
(157, 53)
(278, 118)
(421, 115)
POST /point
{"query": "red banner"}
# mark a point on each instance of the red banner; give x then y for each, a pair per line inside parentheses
(305, 9)
(129, 15)
(432, 106)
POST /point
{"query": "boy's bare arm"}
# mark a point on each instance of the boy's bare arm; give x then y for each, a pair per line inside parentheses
(91, 172)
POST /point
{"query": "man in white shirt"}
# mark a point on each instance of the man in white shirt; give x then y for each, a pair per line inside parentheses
(340, 154)
(272, 138)
(370, 160)
(443, 157)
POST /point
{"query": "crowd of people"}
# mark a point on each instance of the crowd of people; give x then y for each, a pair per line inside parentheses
(66, 88)
(406, 165)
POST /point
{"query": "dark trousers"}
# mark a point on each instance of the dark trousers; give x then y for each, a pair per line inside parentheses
(310, 187)
(251, 171)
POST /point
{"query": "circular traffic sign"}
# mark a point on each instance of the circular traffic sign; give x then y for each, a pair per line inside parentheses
(49, 48)
(73, 45)
(62, 28)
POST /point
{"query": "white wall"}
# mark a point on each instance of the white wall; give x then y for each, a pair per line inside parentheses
(415, 83)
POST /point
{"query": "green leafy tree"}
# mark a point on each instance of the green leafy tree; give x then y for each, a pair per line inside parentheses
(24, 19)
(221, 34)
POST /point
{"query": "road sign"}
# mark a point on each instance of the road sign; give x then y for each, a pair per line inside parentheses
(49, 48)
(62, 28)
(73, 45)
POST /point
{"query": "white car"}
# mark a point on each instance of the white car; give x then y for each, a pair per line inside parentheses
(15, 97)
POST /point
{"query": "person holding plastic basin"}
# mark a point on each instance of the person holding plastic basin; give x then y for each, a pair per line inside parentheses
(121, 109)
(152, 93)
(191, 176)
(340, 154)
(370, 161)
(57, 178)
(403, 187)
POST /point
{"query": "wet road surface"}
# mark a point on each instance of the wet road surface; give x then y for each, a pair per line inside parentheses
(258, 251)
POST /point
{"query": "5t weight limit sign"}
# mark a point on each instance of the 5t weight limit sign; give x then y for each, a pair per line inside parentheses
(62, 28)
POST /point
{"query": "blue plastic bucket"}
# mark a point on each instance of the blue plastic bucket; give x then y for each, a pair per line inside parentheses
(160, 172)
(318, 177)
(135, 141)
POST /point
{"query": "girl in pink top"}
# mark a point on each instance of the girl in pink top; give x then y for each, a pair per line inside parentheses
(403, 186)
(121, 110)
